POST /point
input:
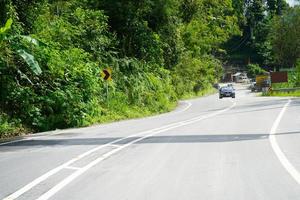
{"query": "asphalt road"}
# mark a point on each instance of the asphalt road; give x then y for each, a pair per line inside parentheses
(244, 148)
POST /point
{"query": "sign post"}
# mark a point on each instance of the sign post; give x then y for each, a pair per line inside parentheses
(106, 75)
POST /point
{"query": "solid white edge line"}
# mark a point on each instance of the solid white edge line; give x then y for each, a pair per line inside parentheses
(280, 155)
(11, 142)
(33, 136)
(189, 104)
(73, 168)
(73, 176)
(57, 169)
(45, 176)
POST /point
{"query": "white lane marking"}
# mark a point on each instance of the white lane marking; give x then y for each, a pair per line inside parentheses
(36, 136)
(280, 155)
(114, 145)
(14, 141)
(189, 104)
(73, 168)
(73, 176)
(57, 169)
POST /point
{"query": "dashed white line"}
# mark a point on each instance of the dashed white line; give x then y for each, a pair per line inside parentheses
(73, 176)
(280, 155)
(68, 179)
(56, 170)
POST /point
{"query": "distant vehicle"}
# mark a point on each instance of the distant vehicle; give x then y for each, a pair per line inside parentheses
(243, 79)
(226, 91)
(262, 81)
(252, 86)
(240, 77)
(229, 85)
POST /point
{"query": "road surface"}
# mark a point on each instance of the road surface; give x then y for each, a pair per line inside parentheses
(246, 148)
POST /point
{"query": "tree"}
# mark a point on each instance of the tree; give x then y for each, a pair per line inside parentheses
(285, 37)
(254, 15)
(272, 5)
(276, 6)
(188, 9)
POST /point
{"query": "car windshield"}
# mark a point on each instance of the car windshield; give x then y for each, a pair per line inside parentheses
(227, 88)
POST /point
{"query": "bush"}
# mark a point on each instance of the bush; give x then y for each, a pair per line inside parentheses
(156, 59)
(196, 74)
(297, 74)
(254, 69)
(9, 127)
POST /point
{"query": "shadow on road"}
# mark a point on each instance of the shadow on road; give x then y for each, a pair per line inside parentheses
(261, 106)
(154, 139)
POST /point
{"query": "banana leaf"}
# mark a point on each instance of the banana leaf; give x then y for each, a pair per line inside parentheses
(31, 62)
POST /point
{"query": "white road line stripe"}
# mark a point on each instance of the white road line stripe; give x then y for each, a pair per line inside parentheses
(189, 104)
(280, 155)
(73, 168)
(114, 145)
(11, 142)
(73, 176)
(57, 169)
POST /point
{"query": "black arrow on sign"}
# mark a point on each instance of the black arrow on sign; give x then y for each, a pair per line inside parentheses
(107, 74)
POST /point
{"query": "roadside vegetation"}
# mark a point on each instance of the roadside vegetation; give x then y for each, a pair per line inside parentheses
(270, 40)
(289, 89)
(270, 35)
(52, 53)
(284, 94)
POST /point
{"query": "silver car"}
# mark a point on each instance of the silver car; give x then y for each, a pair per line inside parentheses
(226, 91)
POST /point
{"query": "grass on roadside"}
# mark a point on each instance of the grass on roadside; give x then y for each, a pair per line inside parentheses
(10, 127)
(284, 94)
(207, 91)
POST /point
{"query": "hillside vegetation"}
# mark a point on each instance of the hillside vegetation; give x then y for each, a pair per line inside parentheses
(52, 53)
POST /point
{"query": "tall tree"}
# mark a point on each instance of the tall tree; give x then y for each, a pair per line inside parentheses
(276, 6)
(285, 37)
(272, 5)
(254, 14)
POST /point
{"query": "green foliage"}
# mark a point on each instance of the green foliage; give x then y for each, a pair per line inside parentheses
(218, 19)
(29, 59)
(9, 127)
(293, 78)
(254, 69)
(188, 9)
(284, 94)
(255, 13)
(276, 6)
(12, 43)
(6, 27)
(297, 74)
(258, 23)
(285, 37)
(159, 51)
(194, 74)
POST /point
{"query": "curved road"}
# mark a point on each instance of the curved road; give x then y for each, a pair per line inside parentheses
(244, 148)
